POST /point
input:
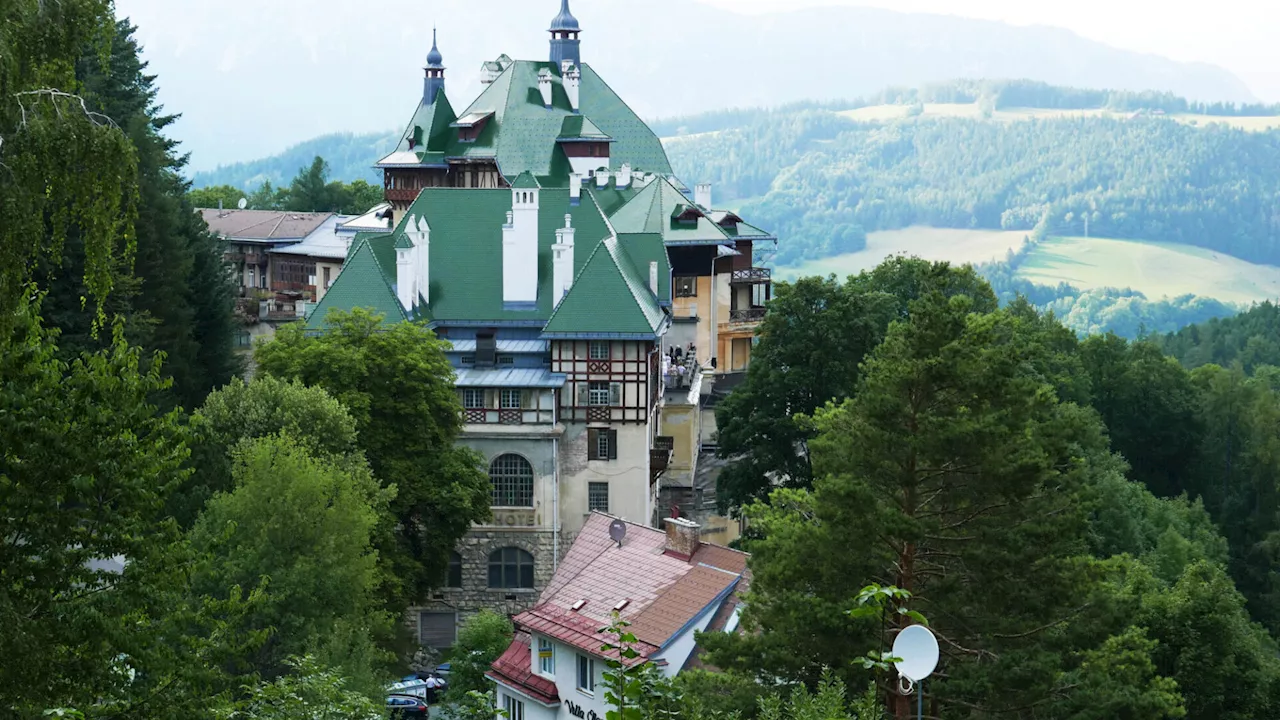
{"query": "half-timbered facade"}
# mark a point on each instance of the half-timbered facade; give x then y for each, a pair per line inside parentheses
(540, 231)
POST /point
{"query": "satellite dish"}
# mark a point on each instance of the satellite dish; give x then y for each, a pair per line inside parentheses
(242, 204)
(617, 531)
(918, 649)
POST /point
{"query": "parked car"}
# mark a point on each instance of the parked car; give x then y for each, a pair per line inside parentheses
(407, 707)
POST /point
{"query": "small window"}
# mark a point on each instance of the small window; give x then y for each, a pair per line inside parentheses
(598, 394)
(546, 657)
(514, 707)
(586, 674)
(510, 568)
(472, 398)
(455, 570)
(602, 444)
(598, 497)
(506, 360)
(468, 360)
(598, 350)
(685, 286)
(511, 399)
(327, 280)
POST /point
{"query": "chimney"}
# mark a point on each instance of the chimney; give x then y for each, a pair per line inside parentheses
(520, 248)
(702, 195)
(624, 176)
(571, 76)
(683, 538)
(602, 178)
(422, 251)
(406, 274)
(653, 277)
(544, 86)
(575, 188)
(562, 261)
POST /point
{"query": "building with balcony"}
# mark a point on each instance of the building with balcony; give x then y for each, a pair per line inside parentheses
(542, 234)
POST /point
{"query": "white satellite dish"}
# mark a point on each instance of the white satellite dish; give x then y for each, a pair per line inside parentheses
(918, 649)
(244, 203)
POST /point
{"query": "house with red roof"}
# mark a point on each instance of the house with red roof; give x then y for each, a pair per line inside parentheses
(668, 585)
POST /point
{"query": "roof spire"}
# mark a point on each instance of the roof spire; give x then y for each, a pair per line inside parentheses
(564, 37)
(434, 58)
(565, 20)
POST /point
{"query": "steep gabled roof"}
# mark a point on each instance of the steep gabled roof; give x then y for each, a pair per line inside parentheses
(644, 248)
(655, 209)
(608, 298)
(425, 137)
(522, 133)
(577, 127)
(362, 283)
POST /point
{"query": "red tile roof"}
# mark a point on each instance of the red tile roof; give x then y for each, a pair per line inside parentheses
(514, 668)
(663, 593)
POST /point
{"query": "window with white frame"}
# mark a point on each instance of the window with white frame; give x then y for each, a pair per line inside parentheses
(514, 707)
(546, 657)
(510, 399)
(472, 398)
(586, 674)
(598, 394)
(598, 497)
(598, 350)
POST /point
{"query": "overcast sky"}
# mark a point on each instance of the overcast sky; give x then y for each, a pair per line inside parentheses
(1240, 35)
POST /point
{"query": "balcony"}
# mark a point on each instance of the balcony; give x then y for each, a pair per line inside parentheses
(499, 416)
(746, 316)
(255, 258)
(751, 276)
(402, 195)
(660, 457)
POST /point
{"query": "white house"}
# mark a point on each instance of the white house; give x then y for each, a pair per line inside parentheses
(669, 586)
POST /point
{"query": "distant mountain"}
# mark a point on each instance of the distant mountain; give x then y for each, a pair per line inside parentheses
(252, 77)
(350, 157)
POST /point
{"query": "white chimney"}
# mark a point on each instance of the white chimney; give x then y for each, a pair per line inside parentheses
(544, 86)
(406, 273)
(575, 188)
(602, 178)
(520, 248)
(422, 248)
(562, 261)
(702, 195)
(624, 176)
(653, 277)
(572, 79)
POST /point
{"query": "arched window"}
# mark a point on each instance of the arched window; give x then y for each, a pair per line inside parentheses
(455, 570)
(512, 478)
(510, 568)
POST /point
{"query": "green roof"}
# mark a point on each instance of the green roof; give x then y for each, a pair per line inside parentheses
(466, 249)
(577, 127)
(362, 283)
(644, 248)
(430, 132)
(526, 181)
(607, 298)
(653, 210)
(522, 133)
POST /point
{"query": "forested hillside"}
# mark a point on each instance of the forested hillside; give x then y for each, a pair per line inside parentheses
(1251, 339)
(350, 157)
(821, 180)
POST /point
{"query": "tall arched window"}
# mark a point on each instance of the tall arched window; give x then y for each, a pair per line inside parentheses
(510, 567)
(512, 478)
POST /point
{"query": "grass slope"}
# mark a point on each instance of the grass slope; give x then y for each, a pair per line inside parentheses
(1155, 269)
(886, 113)
(957, 246)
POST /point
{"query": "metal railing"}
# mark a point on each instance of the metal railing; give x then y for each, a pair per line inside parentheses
(747, 315)
(752, 275)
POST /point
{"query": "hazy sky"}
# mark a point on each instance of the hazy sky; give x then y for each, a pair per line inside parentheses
(1240, 35)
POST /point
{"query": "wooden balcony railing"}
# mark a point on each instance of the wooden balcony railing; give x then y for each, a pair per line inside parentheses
(401, 195)
(498, 416)
(751, 276)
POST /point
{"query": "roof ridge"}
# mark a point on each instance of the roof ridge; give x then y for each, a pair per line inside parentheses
(631, 281)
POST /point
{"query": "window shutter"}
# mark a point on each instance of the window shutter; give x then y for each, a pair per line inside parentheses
(583, 398)
(615, 394)
(613, 444)
(593, 444)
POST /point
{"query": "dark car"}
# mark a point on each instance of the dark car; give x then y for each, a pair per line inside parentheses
(406, 707)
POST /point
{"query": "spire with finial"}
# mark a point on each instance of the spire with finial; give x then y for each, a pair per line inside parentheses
(564, 37)
(433, 85)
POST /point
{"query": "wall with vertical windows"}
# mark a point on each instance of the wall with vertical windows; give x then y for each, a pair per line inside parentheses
(604, 463)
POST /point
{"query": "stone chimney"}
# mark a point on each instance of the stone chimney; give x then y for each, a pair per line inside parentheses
(653, 277)
(562, 261)
(702, 195)
(544, 86)
(571, 76)
(624, 176)
(683, 538)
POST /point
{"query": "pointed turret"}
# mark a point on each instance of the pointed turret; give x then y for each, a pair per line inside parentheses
(564, 38)
(434, 82)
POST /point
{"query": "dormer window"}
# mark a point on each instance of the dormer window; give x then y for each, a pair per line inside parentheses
(486, 349)
(471, 125)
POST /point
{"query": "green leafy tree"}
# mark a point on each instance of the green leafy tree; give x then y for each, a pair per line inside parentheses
(398, 385)
(309, 690)
(223, 196)
(484, 637)
(260, 408)
(304, 526)
(87, 465)
(790, 376)
(268, 197)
